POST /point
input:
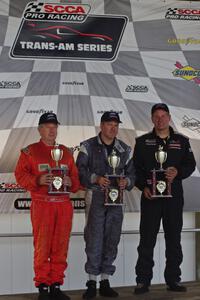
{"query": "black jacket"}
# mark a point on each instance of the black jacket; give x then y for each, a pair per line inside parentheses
(179, 155)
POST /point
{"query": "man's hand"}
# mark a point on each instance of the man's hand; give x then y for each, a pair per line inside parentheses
(103, 181)
(67, 181)
(147, 193)
(45, 179)
(123, 183)
(171, 173)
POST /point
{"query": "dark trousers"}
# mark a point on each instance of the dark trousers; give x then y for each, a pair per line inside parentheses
(169, 210)
(102, 235)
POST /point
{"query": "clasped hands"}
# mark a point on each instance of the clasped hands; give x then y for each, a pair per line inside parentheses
(47, 179)
(170, 174)
(104, 182)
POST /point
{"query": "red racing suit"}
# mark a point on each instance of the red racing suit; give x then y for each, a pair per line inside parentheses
(51, 216)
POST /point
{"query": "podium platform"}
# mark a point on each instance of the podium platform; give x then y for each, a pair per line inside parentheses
(157, 292)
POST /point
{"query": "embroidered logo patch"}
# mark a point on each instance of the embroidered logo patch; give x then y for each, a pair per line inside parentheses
(43, 167)
(150, 142)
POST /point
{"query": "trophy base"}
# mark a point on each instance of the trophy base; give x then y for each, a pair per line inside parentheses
(58, 193)
(113, 204)
(113, 198)
(113, 194)
(57, 187)
(161, 196)
(161, 187)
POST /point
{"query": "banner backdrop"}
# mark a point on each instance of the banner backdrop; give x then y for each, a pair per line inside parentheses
(80, 59)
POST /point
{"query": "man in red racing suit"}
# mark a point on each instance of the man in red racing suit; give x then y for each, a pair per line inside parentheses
(51, 215)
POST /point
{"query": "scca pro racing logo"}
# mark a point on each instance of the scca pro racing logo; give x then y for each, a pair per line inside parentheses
(183, 14)
(56, 11)
(5, 84)
(7, 187)
(187, 72)
(63, 31)
(136, 88)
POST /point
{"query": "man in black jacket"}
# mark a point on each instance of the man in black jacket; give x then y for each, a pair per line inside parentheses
(180, 164)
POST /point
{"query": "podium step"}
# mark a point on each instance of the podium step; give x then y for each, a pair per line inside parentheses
(157, 292)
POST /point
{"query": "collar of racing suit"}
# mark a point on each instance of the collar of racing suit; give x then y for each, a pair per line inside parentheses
(116, 145)
(171, 134)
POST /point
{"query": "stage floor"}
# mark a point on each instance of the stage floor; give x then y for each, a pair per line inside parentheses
(157, 292)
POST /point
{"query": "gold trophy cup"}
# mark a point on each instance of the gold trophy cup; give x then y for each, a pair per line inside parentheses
(113, 194)
(161, 156)
(113, 161)
(160, 185)
(57, 154)
(58, 186)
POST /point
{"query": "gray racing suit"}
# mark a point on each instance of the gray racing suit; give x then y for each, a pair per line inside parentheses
(103, 223)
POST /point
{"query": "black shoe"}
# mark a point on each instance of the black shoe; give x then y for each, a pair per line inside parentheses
(91, 291)
(56, 293)
(141, 288)
(43, 292)
(176, 287)
(105, 290)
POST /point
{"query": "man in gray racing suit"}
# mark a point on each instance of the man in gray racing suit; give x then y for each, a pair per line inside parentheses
(104, 223)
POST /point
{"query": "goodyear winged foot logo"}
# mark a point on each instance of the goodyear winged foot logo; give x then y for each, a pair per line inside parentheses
(187, 72)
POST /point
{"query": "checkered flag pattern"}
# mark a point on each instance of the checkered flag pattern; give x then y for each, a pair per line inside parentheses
(34, 7)
(80, 91)
(171, 11)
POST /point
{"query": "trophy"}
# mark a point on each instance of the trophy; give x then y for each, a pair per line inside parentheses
(161, 187)
(113, 194)
(57, 186)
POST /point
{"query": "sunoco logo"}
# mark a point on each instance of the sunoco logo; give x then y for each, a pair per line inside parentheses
(10, 84)
(183, 14)
(187, 72)
(136, 88)
(55, 11)
(191, 123)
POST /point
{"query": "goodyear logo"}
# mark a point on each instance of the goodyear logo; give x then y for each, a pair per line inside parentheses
(187, 73)
(183, 41)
